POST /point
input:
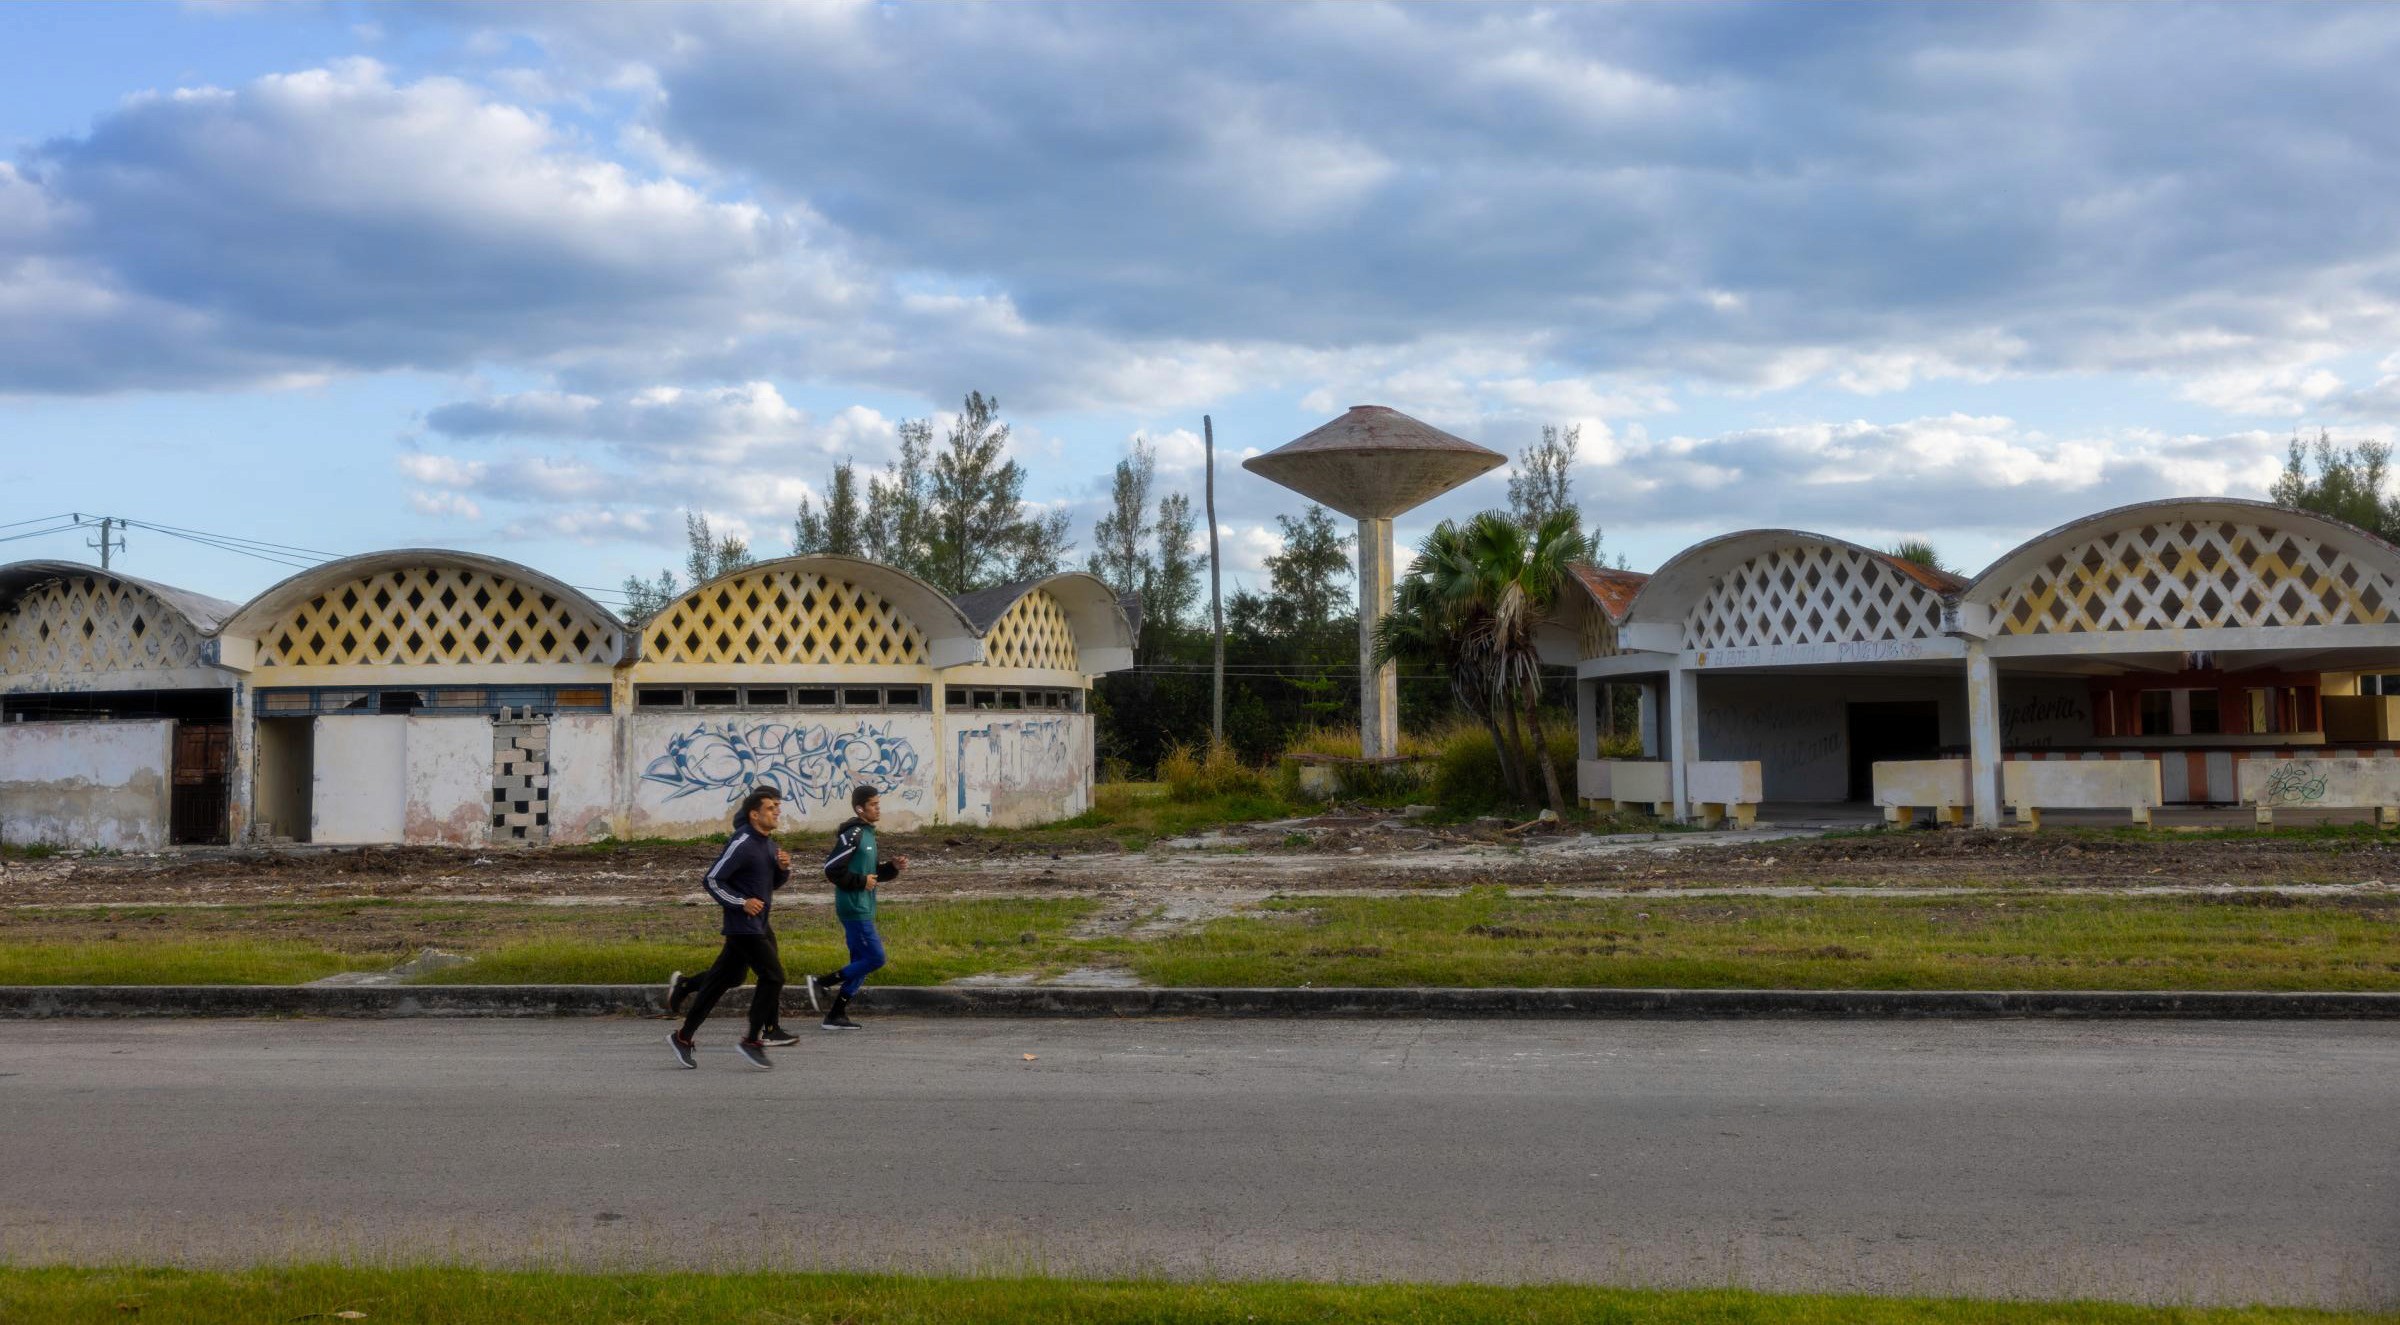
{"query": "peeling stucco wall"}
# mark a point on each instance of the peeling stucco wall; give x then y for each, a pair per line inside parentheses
(689, 770)
(449, 782)
(86, 784)
(583, 776)
(1009, 772)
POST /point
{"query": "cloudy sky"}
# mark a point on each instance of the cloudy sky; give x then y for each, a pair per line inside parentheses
(535, 279)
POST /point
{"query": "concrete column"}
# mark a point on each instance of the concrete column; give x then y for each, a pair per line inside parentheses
(1983, 735)
(1683, 736)
(1378, 687)
(938, 704)
(628, 760)
(1647, 722)
(241, 766)
(1589, 696)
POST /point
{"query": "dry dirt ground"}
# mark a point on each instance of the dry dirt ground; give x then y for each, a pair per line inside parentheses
(1329, 853)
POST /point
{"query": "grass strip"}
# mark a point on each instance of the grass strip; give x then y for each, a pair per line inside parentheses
(1486, 938)
(193, 961)
(929, 943)
(453, 1296)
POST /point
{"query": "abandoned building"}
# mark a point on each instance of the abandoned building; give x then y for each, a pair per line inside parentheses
(2203, 651)
(427, 696)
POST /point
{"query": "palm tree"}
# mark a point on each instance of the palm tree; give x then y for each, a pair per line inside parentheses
(1470, 605)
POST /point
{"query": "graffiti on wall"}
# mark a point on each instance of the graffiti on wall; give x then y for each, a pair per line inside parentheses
(2294, 784)
(1004, 762)
(815, 765)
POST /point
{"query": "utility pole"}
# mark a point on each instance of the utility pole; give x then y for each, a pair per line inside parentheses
(1216, 596)
(108, 523)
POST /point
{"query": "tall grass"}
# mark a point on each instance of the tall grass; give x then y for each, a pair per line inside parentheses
(1467, 777)
(1210, 774)
(209, 961)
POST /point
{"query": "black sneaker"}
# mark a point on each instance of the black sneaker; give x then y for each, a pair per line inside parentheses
(683, 1050)
(840, 1021)
(753, 1052)
(677, 991)
(776, 1037)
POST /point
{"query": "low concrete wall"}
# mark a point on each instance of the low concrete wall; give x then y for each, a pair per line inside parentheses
(87, 784)
(1942, 785)
(2034, 785)
(21, 1002)
(1626, 781)
(2303, 783)
(1724, 781)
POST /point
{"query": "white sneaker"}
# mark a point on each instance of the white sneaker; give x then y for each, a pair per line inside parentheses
(813, 1005)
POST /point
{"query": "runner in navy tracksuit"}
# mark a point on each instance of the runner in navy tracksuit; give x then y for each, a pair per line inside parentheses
(743, 881)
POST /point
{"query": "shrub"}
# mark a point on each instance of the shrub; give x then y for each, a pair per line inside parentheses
(1219, 772)
(1467, 776)
(1113, 798)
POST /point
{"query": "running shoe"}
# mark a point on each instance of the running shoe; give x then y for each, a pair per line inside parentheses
(753, 1052)
(840, 1021)
(776, 1037)
(677, 991)
(813, 1004)
(683, 1050)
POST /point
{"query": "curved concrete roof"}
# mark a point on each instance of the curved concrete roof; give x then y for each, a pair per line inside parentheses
(1674, 587)
(950, 638)
(270, 606)
(2014, 563)
(205, 614)
(1104, 631)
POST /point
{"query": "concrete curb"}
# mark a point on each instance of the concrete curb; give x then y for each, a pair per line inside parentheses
(24, 1002)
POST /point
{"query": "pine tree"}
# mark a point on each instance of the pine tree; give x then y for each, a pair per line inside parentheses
(1543, 483)
(1120, 555)
(980, 535)
(900, 502)
(706, 557)
(1174, 586)
(1308, 580)
(841, 529)
(2348, 484)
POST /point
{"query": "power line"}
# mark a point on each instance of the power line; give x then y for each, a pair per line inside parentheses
(62, 515)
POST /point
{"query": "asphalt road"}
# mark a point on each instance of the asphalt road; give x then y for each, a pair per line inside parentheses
(2208, 1162)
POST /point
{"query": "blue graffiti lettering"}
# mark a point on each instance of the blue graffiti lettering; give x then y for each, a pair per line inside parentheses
(815, 765)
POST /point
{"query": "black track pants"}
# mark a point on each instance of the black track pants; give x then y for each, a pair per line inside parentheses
(742, 954)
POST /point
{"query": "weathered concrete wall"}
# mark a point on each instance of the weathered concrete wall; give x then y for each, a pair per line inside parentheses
(1633, 781)
(86, 784)
(1009, 771)
(1942, 784)
(691, 769)
(1725, 782)
(2040, 712)
(448, 782)
(2292, 784)
(583, 776)
(1798, 726)
(359, 793)
(281, 795)
(2080, 784)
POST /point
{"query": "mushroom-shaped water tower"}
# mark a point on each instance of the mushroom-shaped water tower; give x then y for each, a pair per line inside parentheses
(1371, 464)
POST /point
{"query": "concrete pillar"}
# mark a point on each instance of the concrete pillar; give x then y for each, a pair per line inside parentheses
(241, 765)
(1683, 736)
(629, 762)
(1983, 735)
(1647, 723)
(1589, 697)
(1378, 687)
(937, 698)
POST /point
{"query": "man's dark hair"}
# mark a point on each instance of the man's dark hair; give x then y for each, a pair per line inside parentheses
(758, 796)
(859, 796)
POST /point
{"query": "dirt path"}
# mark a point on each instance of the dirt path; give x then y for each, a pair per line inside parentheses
(1331, 854)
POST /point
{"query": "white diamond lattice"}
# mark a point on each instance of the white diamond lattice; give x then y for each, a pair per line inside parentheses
(2195, 574)
(783, 616)
(1034, 632)
(1811, 594)
(435, 614)
(94, 623)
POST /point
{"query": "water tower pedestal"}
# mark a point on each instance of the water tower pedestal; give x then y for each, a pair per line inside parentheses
(1372, 464)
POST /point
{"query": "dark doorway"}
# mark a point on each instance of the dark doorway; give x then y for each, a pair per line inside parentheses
(1904, 730)
(196, 805)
